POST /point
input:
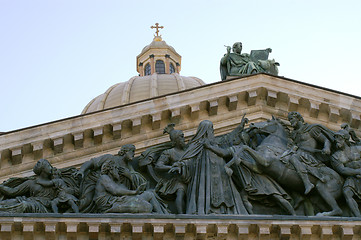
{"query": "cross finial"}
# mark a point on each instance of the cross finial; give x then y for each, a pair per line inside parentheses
(157, 27)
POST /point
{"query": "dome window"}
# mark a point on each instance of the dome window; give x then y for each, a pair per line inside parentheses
(147, 70)
(159, 67)
(171, 68)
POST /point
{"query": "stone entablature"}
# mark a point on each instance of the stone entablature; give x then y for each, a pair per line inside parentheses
(132, 226)
(72, 141)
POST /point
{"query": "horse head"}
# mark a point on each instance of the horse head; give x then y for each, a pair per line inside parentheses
(274, 132)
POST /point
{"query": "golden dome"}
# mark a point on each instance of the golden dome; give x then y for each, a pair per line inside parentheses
(140, 88)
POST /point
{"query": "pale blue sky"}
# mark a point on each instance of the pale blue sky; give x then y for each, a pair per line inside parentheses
(56, 55)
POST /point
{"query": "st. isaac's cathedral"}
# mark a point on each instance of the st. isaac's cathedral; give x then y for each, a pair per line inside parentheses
(165, 156)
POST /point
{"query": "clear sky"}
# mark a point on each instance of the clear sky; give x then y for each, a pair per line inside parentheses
(55, 56)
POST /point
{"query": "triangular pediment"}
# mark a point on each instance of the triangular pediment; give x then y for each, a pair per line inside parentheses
(72, 141)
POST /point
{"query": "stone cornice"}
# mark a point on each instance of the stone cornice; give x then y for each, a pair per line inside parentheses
(71, 141)
(124, 226)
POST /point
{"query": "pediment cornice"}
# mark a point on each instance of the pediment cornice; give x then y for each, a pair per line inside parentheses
(72, 141)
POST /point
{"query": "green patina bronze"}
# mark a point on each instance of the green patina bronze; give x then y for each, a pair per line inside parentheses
(241, 64)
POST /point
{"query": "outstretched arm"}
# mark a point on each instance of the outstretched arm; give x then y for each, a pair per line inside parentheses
(20, 190)
(162, 162)
(217, 150)
(115, 189)
(93, 164)
(240, 127)
(320, 136)
(342, 169)
(85, 167)
(236, 133)
(225, 57)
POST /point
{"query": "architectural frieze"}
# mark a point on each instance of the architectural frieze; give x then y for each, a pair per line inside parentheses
(259, 96)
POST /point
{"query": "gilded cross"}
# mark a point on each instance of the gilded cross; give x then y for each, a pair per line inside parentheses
(157, 27)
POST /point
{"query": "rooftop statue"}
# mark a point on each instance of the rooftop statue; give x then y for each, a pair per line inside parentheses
(240, 64)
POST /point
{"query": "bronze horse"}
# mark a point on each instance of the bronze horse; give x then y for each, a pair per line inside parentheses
(267, 156)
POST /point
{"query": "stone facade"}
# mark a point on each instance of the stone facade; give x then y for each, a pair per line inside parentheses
(72, 141)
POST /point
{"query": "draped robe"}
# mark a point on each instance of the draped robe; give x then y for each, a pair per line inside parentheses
(210, 189)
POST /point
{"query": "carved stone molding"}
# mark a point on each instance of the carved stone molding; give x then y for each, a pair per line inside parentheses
(118, 226)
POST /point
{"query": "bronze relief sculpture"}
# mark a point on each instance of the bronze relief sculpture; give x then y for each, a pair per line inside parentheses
(271, 167)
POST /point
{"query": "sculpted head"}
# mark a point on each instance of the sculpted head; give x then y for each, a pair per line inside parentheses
(345, 126)
(109, 168)
(295, 118)
(237, 47)
(206, 127)
(341, 138)
(127, 151)
(43, 167)
(176, 136)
